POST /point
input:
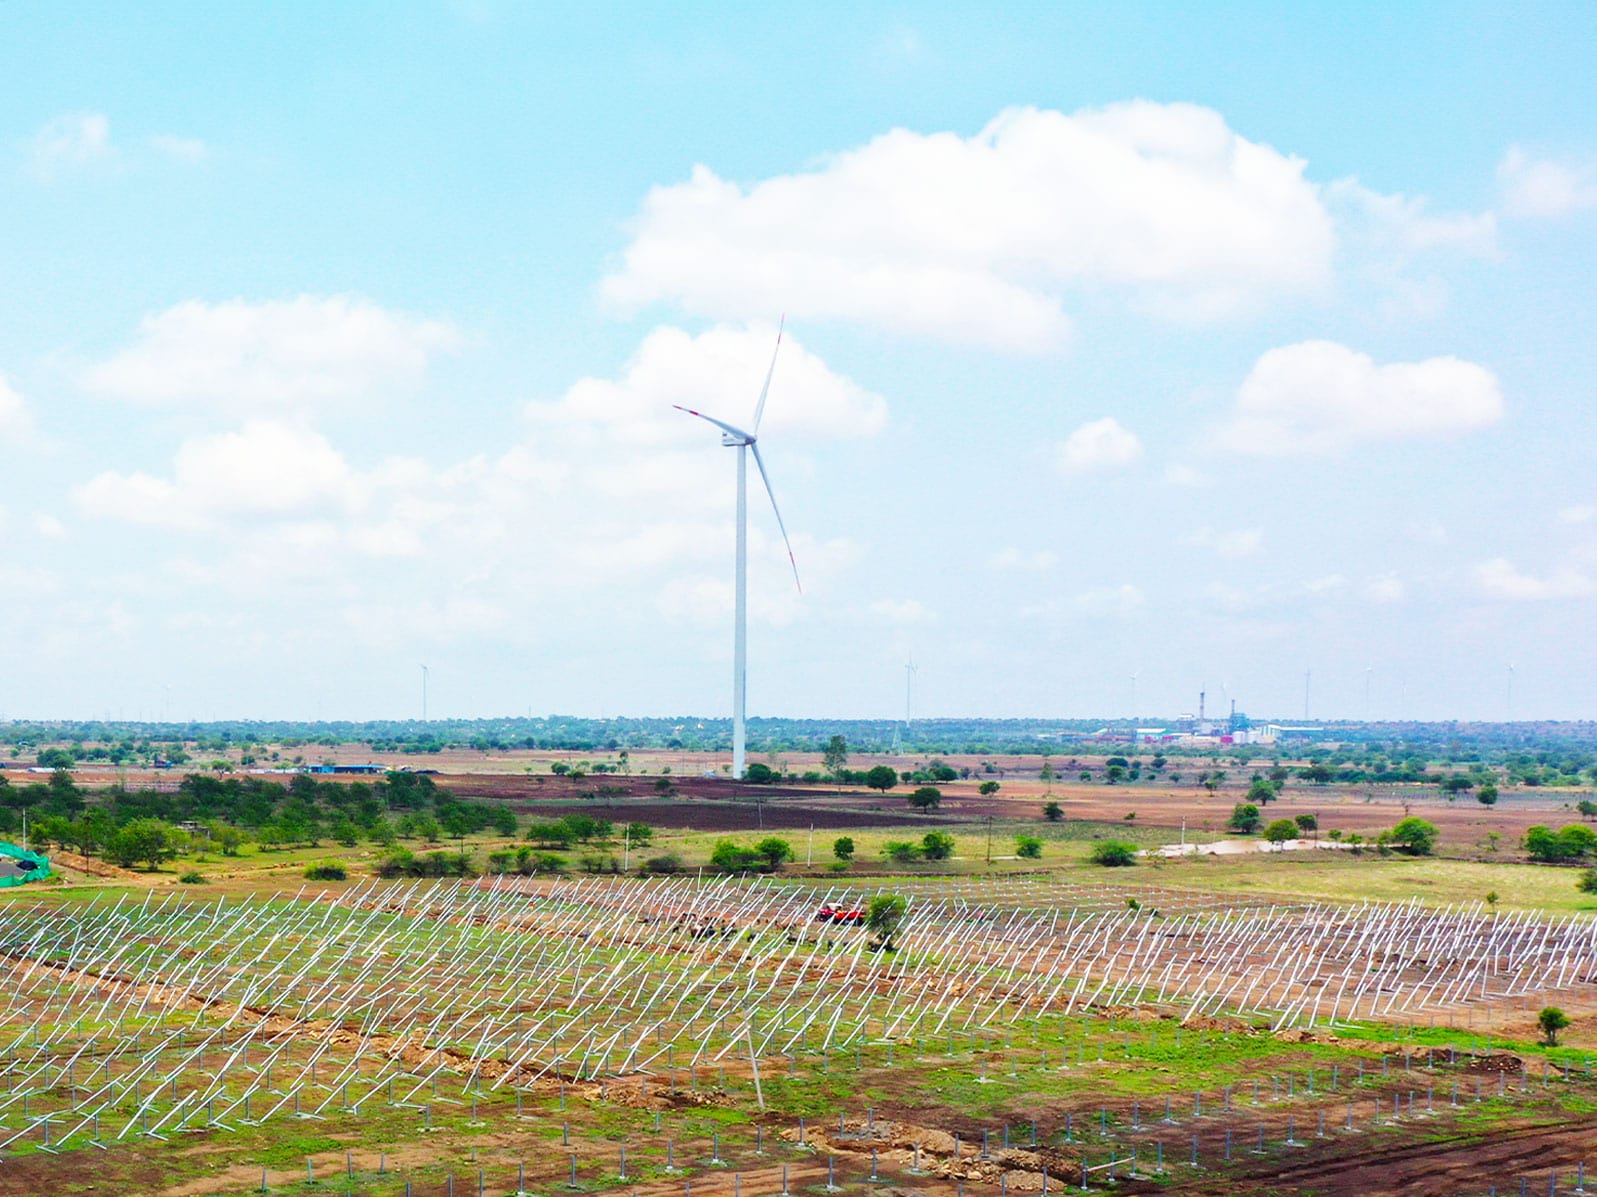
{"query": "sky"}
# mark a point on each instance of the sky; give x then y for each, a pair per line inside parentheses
(1130, 351)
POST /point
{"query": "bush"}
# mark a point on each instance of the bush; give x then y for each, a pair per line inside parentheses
(1113, 854)
(193, 878)
(937, 845)
(1588, 882)
(1574, 842)
(759, 774)
(901, 851)
(663, 866)
(1053, 812)
(843, 847)
(732, 857)
(328, 870)
(1414, 836)
(987, 789)
(1028, 847)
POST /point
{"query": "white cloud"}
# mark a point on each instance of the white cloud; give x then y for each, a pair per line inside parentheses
(70, 142)
(265, 469)
(1098, 445)
(247, 357)
(1580, 513)
(1013, 558)
(612, 501)
(718, 372)
(1500, 578)
(1403, 225)
(1243, 542)
(1541, 187)
(1317, 396)
(979, 239)
(47, 526)
(15, 421)
(184, 149)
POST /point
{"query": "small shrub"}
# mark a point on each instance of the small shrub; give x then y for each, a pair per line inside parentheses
(663, 866)
(1552, 1020)
(1588, 882)
(901, 851)
(843, 848)
(329, 870)
(193, 877)
(1028, 847)
(1114, 854)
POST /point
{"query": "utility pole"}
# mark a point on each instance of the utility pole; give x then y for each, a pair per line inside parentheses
(989, 840)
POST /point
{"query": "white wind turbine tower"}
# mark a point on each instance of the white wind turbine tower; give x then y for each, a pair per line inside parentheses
(735, 438)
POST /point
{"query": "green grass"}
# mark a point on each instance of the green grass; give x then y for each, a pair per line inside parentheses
(1341, 876)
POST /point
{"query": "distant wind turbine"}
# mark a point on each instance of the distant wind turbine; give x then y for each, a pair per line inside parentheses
(735, 438)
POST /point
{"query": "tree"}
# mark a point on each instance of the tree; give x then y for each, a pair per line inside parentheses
(1457, 784)
(987, 789)
(937, 845)
(759, 774)
(1113, 854)
(148, 840)
(1318, 773)
(835, 758)
(639, 835)
(1414, 836)
(1262, 792)
(881, 777)
(1028, 847)
(926, 798)
(1552, 1020)
(775, 851)
(1053, 812)
(1570, 843)
(1486, 795)
(1244, 818)
(1307, 822)
(843, 847)
(883, 917)
(1588, 882)
(729, 856)
(901, 851)
(1279, 832)
(1586, 807)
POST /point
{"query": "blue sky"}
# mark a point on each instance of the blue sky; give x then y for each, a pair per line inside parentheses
(1210, 347)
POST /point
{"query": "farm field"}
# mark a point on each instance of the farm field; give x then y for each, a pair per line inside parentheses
(1263, 1022)
(682, 1035)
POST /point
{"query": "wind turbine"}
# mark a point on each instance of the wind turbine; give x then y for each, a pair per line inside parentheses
(735, 438)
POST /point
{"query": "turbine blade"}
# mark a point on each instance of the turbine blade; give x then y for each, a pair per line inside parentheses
(766, 478)
(759, 408)
(721, 424)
